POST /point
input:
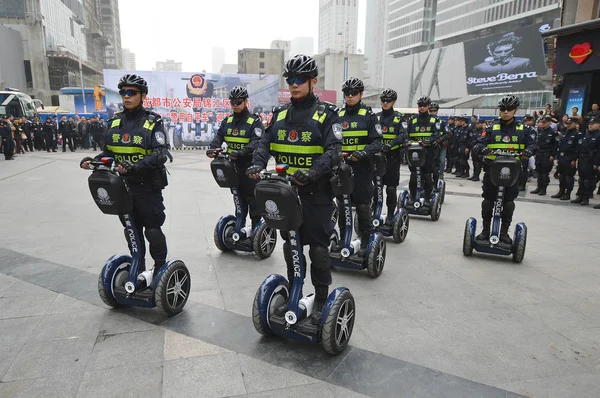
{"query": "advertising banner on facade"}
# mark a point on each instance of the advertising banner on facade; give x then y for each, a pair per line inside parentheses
(575, 98)
(507, 62)
(579, 52)
(323, 95)
(193, 105)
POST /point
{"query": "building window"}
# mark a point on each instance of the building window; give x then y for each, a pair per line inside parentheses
(72, 28)
(261, 65)
(262, 54)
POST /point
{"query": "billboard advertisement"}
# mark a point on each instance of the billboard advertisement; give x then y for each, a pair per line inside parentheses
(323, 95)
(193, 105)
(575, 98)
(507, 62)
(579, 52)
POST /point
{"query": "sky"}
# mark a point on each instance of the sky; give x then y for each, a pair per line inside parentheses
(187, 30)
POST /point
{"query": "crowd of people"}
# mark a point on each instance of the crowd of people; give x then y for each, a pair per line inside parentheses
(21, 135)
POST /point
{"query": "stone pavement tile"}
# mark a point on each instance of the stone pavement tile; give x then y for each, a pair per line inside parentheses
(127, 349)
(143, 380)
(20, 289)
(239, 301)
(26, 306)
(364, 339)
(260, 376)
(558, 316)
(586, 385)
(321, 390)
(65, 304)
(7, 356)
(206, 376)
(208, 297)
(83, 325)
(116, 323)
(179, 346)
(63, 386)
(586, 337)
(433, 277)
(517, 293)
(6, 283)
(50, 358)
(16, 331)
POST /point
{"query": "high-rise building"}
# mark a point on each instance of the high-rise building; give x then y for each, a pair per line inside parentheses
(261, 61)
(168, 66)
(55, 35)
(302, 45)
(128, 59)
(282, 45)
(218, 59)
(109, 17)
(410, 24)
(338, 22)
(375, 39)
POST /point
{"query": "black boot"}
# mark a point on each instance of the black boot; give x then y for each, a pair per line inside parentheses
(487, 207)
(559, 194)
(578, 199)
(255, 222)
(584, 200)
(507, 214)
(566, 195)
(485, 233)
(321, 294)
(157, 266)
(504, 237)
(389, 219)
(537, 190)
(542, 191)
(364, 243)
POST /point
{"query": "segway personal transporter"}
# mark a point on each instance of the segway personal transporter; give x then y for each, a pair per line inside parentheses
(373, 261)
(231, 232)
(282, 210)
(120, 283)
(399, 228)
(504, 172)
(416, 155)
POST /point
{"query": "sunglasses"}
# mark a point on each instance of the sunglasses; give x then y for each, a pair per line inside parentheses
(506, 108)
(297, 80)
(423, 105)
(236, 102)
(387, 100)
(351, 93)
(128, 93)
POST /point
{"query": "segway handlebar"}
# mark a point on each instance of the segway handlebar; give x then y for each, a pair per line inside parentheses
(221, 153)
(279, 173)
(105, 162)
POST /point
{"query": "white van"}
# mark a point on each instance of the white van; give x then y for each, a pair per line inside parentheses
(18, 104)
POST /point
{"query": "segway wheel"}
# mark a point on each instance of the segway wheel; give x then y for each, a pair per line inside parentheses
(118, 277)
(338, 326)
(225, 224)
(264, 241)
(335, 215)
(400, 226)
(520, 240)
(106, 297)
(173, 288)
(271, 294)
(376, 256)
(402, 199)
(355, 224)
(468, 237)
(436, 207)
(442, 190)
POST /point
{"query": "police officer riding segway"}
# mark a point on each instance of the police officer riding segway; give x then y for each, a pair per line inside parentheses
(305, 135)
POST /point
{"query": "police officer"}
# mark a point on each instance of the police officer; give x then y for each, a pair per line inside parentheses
(547, 145)
(64, 128)
(528, 167)
(362, 139)
(588, 150)
(450, 144)
(504, 133)
(424, 128)
(306, 135)
(26, 126)
(393, 128)
(136, 140)
(462, 139)
(97, 132)
(475, 150)
(49, 134)
(438, 172)
(241, 131)
(567, 159)
(38, 134)
(7, 140)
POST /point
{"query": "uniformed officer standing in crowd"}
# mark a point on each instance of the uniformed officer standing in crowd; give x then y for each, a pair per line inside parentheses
(362, 139)
(136, 140)
(462, 139)
(438, 172)
(241, 131)
(547, 144)
(476, 133)
(424, 128)
(307, 136)
(450, 144)
(64, 128)
(38, 134)
(527, 167)
(507, 135)
(27, 126)
(588, 151)
(50, 134)
(7, 140)
(567, 159)
(97, 132)
(393, 127)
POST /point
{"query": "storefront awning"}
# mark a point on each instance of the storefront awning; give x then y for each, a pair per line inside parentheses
(575, 28)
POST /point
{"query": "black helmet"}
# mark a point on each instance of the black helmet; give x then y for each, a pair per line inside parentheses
(301, 65)
(238, 92)
(509, 101)
(353, 83)
(434, 106)
(389, 93)
(135, 81)
(424, 101)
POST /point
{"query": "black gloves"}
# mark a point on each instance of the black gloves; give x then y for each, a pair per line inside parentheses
(305, 176)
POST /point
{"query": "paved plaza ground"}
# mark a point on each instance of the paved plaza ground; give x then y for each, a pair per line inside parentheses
(434, 324)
